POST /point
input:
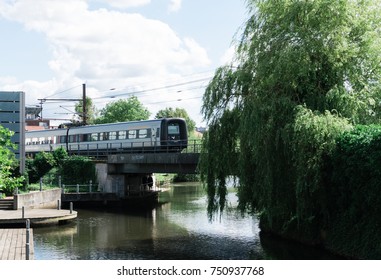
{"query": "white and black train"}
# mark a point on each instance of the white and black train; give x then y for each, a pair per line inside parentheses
(168, 134)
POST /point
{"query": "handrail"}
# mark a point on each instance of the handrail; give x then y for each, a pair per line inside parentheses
(104, 149)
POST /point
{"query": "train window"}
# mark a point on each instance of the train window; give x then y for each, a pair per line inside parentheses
(62, 139)
(41, 140)
(94, 137)
(72, 138)
(28, 141)
(113, 135)
(131, 134)
(173, 128)
(158, 132)
(103, 136)
(85, 137)
(122, 135)
(143, 133)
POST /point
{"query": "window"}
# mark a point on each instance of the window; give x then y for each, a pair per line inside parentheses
(113, 135)
(173, 129)
(94, 137)
(143, 133)
(132, 134)
(73, 138)
(122, 135)
(103, 136)
(62, 139)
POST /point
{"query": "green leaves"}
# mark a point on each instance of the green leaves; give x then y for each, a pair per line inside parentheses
(169, 112)
(306, 71)
(8, 163)
(123, 110)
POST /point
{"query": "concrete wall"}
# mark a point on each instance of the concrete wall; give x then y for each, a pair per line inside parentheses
(109, 183)
(43, 199)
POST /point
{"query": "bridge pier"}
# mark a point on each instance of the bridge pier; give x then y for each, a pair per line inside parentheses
(127, 179)
(123, 184)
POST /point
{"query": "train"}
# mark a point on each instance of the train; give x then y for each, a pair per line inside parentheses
(167, 134)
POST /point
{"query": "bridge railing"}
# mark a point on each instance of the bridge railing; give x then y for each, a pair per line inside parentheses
(99, 150)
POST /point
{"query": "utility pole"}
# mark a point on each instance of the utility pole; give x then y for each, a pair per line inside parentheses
(84, 112)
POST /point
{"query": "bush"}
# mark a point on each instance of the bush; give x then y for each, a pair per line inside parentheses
(78, 170)
(355, 203)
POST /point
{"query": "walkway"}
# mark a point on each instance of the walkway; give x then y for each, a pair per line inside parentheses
(37, 217)
(13, 244)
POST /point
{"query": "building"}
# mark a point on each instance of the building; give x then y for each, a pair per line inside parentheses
(33, 120)
(12, 116)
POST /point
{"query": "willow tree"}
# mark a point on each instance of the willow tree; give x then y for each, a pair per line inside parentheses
(304, 72)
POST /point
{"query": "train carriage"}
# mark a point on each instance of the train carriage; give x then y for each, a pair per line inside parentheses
(169, 134)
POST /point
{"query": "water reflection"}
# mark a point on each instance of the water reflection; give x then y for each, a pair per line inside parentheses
(177, 229)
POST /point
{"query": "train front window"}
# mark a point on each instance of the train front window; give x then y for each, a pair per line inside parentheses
(173, 129)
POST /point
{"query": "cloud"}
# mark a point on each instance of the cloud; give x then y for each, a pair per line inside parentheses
(96, 44)
(174, 5)
(103, 48)
(124, 4)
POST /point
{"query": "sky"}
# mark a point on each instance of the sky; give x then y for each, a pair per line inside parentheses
(162, 51)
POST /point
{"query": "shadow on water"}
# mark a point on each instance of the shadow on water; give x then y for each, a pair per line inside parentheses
(280, 249)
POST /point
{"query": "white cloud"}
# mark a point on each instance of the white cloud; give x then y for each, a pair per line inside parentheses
(174, 5)
(103, 48)
(124, 4)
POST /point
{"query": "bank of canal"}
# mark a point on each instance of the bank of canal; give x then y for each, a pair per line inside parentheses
(177, 229)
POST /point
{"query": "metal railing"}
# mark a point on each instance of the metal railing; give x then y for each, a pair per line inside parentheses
(98, 150)
(78, 188)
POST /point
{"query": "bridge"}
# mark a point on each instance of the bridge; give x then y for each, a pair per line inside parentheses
(123, 172)
(141, 158)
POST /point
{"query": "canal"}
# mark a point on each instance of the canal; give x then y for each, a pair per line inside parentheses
(178, 229)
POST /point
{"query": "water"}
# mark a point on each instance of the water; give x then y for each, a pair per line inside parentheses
(177, 229)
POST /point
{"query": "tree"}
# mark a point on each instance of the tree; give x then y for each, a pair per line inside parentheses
(8, 163)
(90, 110)
(123, 110)
(304, 72)
(169, 112)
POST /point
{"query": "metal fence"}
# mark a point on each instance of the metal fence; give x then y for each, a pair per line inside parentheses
(101, 150)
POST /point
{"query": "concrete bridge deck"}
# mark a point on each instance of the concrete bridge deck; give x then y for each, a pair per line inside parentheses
(185, 163)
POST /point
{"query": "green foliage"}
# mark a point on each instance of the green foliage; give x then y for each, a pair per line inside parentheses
(354, 199)
(123, 110)
(169, 112)
(314, 141)
(215, 169)
(78, 170)
(305, 71)
(60, 155)
(39, 166)
(90, 110)
(73, 169)
(9, 180)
